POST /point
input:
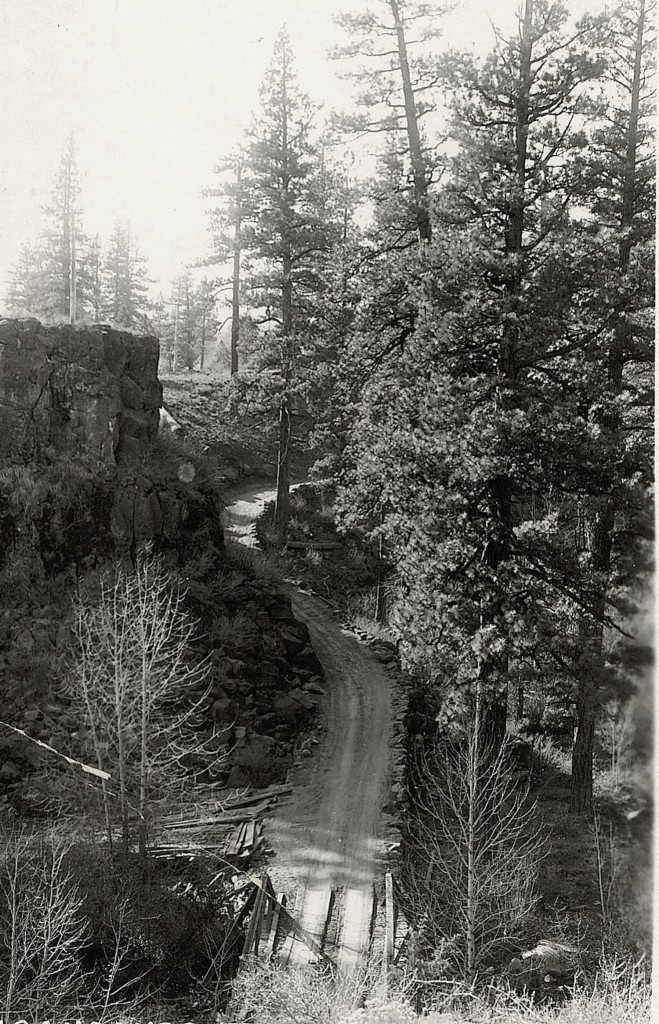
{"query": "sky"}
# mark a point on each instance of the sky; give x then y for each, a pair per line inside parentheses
(156, 92)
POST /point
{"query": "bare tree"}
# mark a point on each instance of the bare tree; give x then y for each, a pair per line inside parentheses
(141, 689)
(478, 848)
(42, 928)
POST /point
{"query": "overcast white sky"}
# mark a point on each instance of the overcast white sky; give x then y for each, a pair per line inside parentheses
(156, 92)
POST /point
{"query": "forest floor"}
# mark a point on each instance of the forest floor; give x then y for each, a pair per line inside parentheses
(329, 836)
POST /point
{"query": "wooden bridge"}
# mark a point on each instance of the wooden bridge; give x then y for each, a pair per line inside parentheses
(274, 931)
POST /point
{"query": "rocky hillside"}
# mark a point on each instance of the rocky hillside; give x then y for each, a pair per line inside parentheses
(86, 479)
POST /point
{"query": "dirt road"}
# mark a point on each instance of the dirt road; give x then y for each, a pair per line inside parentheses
(328, 836)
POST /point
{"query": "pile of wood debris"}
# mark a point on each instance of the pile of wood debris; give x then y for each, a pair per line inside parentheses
(231, 827)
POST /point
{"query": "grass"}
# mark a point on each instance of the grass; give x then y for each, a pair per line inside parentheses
(266, 994)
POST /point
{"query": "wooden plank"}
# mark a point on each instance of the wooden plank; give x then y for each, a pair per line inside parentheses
(403, 943)
(389, 920)
(249, 849)
(253, 798)
(266, 911)
(246, 909)
(316, 913)
(269, 907)
(221, 818)
(288, 917)
(304, 936)
(248, 838)
(277, 905)
(251, 937)
(236, 840)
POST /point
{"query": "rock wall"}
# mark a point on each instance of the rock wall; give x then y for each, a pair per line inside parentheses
(93, 392)
(75, 389)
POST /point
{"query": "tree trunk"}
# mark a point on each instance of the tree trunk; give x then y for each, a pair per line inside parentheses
(493, 721)
(282, 502)
(421, 210)
(202, 352)
(176, 331)
(582, 752)
(188, 329)
(74, 281)
(493, 674)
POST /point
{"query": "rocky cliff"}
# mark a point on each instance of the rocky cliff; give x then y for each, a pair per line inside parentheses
(76, 389)
(91, 396)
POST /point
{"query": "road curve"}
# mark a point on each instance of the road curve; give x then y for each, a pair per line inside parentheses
(328, 835)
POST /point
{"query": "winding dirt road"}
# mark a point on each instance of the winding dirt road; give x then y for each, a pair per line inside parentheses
(328, 836)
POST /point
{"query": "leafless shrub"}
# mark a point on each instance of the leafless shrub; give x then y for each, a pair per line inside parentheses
(141, 689)
(472, 883)
(42, 928)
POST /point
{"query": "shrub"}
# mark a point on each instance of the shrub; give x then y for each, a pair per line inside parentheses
(42, 927)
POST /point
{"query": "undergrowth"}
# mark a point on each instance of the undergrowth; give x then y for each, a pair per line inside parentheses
(352, 577)
(618, 994)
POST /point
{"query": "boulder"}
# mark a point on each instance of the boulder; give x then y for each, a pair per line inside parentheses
(307, 659)
(303, 698)
(547, 968)
(285, 707)
(224, 710)
(313, 686)
(257, 750)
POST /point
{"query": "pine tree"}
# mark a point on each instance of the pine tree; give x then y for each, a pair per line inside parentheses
(91, 274)
(395, 89)
(125, 280)
(62, 236)
(284, 232)
(28, 287)
(617, 177)
(206, 316)
(226, 225)
(461, 438)
(45, 280)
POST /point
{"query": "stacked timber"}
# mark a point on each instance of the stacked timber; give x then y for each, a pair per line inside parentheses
(231, 827)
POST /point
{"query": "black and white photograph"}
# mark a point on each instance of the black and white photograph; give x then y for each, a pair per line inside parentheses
(327, 441)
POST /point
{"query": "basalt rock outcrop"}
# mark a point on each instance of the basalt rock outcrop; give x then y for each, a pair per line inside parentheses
(91, 396)
(76, 389)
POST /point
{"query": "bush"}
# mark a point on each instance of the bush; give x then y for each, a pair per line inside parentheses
(42, 927)
(153, 927)
(266, 992)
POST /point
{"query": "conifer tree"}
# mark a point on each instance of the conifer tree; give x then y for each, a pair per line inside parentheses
(125, 280)
(28, 286)
(617, 176)
(62, 236)
(459, 435)
(45, 280)
(394, 88)
(283, 232)
(226, 225)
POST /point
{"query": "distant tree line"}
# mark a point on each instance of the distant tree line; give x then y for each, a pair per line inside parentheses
(67, 274)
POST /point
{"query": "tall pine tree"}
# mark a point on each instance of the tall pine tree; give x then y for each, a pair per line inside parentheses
(460, 439)
(284, 233)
